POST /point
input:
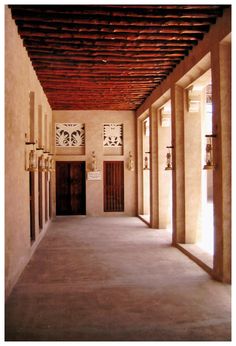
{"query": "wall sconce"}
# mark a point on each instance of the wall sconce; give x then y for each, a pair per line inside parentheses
(30, 158)
(42, 167)
(146, 161)
(130, 162)
(169, 166)
(94, 162)
(209, 152)
(47, 163)
(51, 163)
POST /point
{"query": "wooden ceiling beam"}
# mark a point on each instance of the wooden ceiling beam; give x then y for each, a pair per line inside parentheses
(106, 61)
(131, 12)
(100, 44)
(96, 28)
(108, 56)
(102, 54)
(23, 14)
(32, 48)
(109, 36)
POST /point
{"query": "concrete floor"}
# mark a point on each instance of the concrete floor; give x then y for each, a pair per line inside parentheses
(114, 279)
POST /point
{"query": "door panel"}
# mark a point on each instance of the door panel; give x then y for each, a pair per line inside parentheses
(62, 188)
(40, 199)
(32, 206)
(77, 187)
(70, 188)
(113, 186)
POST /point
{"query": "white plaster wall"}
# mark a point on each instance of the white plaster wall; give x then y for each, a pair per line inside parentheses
(20, 80)
(94, 120)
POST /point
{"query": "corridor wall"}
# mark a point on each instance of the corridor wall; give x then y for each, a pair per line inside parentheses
(21, 84)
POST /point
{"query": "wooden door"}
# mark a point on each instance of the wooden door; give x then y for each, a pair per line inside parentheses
(113, 186)
(70, 188)
(32, 206)
(40, 199)
(46, 196)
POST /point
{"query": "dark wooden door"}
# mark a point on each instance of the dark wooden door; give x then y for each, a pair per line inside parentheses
(70, 188)
(40, 199)
(32, 206)
(113, 186)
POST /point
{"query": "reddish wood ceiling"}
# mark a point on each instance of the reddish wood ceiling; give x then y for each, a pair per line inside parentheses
(108, 57)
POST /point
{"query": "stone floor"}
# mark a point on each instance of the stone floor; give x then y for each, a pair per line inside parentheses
(114, 279)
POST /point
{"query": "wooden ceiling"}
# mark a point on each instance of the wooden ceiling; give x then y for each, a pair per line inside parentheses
(108, 57)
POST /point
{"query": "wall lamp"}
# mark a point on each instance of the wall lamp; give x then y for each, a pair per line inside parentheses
(31, 161)
(51, 163)
(93, 162)
(146, 160)
(209, 152)
(169, 165)
(130, 162)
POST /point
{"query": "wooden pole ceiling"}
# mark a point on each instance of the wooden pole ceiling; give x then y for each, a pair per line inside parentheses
(108, 57)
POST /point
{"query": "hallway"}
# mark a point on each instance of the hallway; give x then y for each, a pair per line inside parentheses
(107, 278)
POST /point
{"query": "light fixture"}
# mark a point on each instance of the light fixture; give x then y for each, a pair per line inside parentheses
(209, 152)
(94, 162)
(47, 164)
(130, 162)
(30, 157)
(42, 163)
(169, 166)
(146, 161)
(51, 163)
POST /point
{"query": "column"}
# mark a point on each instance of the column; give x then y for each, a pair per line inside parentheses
(193, 110)
(154, 207)
(221, 99)
(177, 107)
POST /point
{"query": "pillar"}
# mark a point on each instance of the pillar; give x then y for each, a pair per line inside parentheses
(221, 98)
(178, 191)
(193, 110)
(154, 207)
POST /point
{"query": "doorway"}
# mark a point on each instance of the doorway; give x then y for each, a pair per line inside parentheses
(113, 186)
(70, 188)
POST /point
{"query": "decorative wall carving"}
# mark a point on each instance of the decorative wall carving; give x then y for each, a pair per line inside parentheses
(113, 135)
(70, 135)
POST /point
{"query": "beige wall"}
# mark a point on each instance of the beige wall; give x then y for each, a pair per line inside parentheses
(20, 81)
(94, 121)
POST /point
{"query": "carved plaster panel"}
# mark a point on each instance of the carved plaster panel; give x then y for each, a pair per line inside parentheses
(70, 135)
(112, 135)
